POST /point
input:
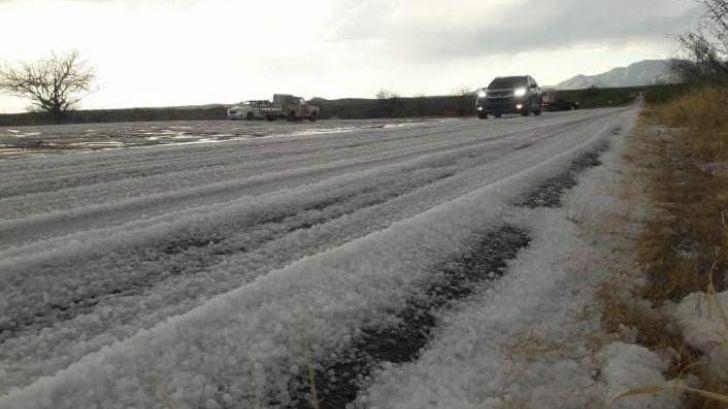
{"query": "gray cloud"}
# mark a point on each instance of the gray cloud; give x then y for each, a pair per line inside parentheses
(537, 24)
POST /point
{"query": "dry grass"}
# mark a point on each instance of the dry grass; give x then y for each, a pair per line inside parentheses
(685, 240)
(677, 248)
(674, 387)
(703, 119)
(530, 346)
(512, 404)
(311, 372)
(653, 329)
(702, 107)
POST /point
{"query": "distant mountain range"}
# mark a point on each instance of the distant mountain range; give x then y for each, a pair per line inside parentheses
(642, 73)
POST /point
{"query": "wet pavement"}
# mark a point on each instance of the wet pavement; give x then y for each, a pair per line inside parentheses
(23, 141)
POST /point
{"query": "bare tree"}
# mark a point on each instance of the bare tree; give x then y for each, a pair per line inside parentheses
(53, 85)
(390, 103)
(706, 46)
(386, 94)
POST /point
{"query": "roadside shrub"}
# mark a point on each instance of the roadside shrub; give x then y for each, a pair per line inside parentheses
(660, 94)
(702, 109)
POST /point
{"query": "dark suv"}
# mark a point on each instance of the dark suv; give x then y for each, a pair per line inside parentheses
(510, 95)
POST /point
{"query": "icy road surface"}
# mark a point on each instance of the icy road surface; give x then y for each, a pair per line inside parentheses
(213, 275)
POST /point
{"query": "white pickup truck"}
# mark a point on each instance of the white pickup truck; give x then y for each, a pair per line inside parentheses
(247, 110)
(285, 106)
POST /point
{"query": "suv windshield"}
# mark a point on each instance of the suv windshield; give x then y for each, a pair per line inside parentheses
(508, 83)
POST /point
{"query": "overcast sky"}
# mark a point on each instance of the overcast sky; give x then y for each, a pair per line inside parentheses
(184, 52)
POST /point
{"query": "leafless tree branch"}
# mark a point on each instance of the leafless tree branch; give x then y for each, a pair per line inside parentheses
(53, 85)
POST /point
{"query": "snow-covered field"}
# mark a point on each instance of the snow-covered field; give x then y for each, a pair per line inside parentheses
(216, 275)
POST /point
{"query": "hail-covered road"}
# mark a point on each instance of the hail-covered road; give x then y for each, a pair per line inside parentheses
(227, 274)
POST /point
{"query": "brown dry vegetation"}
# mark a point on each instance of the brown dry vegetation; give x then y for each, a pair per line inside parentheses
(682, 246)
(688, 243)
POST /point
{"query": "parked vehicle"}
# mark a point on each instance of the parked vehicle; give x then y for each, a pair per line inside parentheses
(553, 102)
(291, 108)
(248, 110)
(510, 95)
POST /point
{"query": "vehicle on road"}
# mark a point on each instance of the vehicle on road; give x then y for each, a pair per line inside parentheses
(510, 95)
(291, 108)
(249, 110)
(553, 102)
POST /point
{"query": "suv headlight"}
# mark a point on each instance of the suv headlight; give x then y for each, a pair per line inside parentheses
(519, 92)
(482, 93)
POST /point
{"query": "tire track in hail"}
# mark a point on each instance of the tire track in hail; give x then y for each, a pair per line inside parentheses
(19, 230)
(181, 256)
(338, 382)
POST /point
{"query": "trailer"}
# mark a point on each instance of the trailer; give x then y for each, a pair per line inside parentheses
(555, 102)
(291, 108)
